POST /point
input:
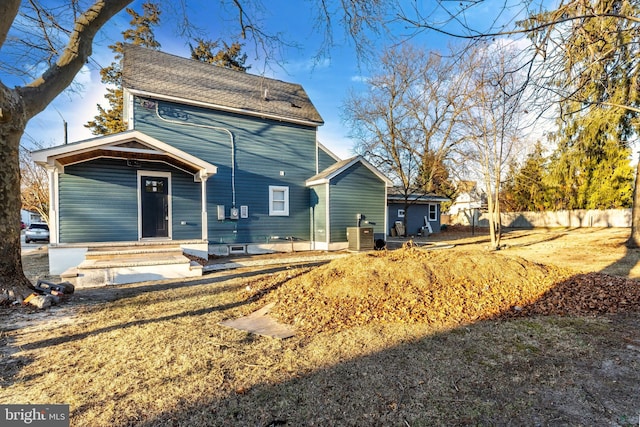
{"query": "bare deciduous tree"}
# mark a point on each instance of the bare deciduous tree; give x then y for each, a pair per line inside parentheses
(407, 122)
(64, 49)
(582, 52)
(34, 186)
(494, 122)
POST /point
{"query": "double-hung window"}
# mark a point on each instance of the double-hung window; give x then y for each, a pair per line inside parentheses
(433, 212)
(278, 200)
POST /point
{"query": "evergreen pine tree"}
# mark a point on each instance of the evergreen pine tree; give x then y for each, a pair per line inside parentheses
(590, 167)
(110, 120)
(229, 56)
(434, 176)
(524, 188)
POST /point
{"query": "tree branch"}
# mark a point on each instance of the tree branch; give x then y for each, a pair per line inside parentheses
(39, 93)
(8, 12)
(521, 31)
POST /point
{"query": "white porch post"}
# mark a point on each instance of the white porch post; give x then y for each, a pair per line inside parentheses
(205, 221)
(327, 218)
(52, 171)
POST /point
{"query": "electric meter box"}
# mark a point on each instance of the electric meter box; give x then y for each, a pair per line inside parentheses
(234, 213)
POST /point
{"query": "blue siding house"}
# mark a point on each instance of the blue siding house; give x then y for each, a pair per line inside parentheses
(217, 160)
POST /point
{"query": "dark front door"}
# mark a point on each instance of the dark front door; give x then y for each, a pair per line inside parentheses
(155, 206)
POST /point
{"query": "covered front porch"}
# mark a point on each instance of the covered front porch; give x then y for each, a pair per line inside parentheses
(125, 207)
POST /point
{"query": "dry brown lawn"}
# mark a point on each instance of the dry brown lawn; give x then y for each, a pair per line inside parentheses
(544, 332)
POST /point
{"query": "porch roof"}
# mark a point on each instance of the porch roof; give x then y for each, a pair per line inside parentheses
(133, 146)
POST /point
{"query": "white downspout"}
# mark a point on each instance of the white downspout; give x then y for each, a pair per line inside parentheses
(205, 218)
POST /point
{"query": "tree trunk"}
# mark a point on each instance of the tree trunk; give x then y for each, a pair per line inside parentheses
(17, 107)
(498, 223)
(492, 220)
(404, 219)
(634, 239)
(495, 224)
(13, 282)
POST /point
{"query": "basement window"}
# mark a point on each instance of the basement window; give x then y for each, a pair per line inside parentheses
(237, 249)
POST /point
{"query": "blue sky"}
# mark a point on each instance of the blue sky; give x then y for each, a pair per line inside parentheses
(326, 81)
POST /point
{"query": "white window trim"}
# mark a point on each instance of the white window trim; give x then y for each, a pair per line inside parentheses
(435, 212)
(277, 188)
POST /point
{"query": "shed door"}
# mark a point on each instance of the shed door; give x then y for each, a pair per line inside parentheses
(155, 206)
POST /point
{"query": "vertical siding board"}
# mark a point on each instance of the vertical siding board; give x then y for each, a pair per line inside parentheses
(263, 148)
(319, 212)
(356, 190)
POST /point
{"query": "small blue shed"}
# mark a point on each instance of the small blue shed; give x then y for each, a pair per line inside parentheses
(415, 214)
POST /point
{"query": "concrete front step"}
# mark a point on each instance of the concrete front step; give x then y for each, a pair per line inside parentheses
(132, 261)
(133, 252)
(121, 265)
(136, 273)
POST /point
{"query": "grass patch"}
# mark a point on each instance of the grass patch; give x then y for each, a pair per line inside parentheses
(158, 356)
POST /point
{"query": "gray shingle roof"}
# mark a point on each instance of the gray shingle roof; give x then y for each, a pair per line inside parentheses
(333, 169)
(396, 194)
(339, 167)
(160, 73)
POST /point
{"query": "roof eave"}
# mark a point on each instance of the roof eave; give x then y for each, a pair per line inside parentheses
(213, 106)
(347, 164)
(311, 183)
(395, 198)
(50, 156)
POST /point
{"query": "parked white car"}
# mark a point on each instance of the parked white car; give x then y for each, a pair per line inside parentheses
(35, 232)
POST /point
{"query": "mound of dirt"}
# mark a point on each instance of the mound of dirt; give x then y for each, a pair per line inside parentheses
(442, 288)
(411, 285)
